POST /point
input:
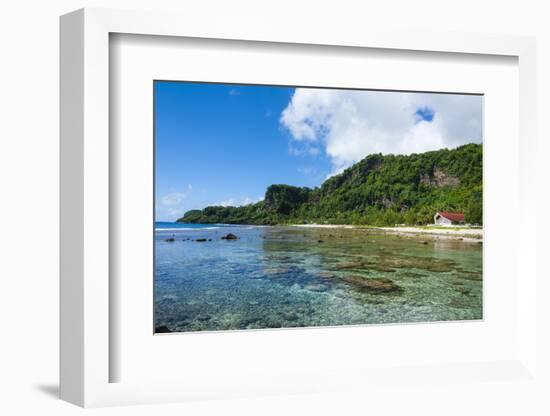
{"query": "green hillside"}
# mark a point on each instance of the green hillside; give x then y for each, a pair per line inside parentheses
(378, 190)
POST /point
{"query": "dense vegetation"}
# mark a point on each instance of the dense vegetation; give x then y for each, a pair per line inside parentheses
(378, 190)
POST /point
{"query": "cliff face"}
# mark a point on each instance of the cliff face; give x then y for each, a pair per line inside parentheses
(378, 190)
(439, 179)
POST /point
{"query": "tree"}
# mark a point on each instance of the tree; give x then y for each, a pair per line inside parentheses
(474, 212)
(378, 190)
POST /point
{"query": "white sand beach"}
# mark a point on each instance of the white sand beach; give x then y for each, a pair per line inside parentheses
(463, 233)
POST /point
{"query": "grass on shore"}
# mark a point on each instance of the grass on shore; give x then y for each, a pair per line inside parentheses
(454, 228)
(442, 227)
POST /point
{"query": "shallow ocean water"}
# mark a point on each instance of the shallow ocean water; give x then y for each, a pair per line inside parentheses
(280, 277)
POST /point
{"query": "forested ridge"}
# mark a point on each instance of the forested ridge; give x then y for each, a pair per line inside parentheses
(378, 190)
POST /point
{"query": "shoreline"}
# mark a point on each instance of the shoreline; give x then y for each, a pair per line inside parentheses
(457, 233)
(464, 234)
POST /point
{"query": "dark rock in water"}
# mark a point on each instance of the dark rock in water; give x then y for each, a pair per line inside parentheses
(209, 239)
(200, 240)
(319, 241)
(163, 329)
(379, 285)
(423, 242)
(170, 240)
(230, 237)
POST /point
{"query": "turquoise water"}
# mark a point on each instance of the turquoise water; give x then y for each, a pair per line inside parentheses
(178, 226)
(280, 277)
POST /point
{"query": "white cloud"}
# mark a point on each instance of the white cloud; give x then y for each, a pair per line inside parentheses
(171, 205)
(349, 125)
(236, 202)
(303, 149)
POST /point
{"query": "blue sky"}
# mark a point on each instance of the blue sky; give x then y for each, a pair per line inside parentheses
(222, 144)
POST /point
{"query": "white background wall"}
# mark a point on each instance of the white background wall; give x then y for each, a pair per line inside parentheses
(29, 206)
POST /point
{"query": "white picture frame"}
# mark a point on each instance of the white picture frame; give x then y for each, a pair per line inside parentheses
(86, 356)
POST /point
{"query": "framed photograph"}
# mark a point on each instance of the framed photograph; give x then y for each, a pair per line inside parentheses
(379, 221)
(277, 212)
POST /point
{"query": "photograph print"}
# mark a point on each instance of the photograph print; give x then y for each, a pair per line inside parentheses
(294, 207)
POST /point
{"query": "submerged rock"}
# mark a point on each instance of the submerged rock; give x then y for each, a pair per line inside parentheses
(379, 285)
(170, 240)
(162, 329)
(363, 265)
(250, 323)
(382, 268)
(283, 259)
(200, 240)
(411, 274)
(316, 287)
(230, 237)
(468, 275)
(413, 262)
(271, 271)
(292, 317)
(350, 265)
(388, 262)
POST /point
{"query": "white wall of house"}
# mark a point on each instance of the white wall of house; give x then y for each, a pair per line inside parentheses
(441, 220)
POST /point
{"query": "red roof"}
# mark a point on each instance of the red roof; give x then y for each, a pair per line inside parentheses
(452, 216)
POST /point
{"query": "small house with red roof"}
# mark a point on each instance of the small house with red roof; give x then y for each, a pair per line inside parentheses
(448, 218)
